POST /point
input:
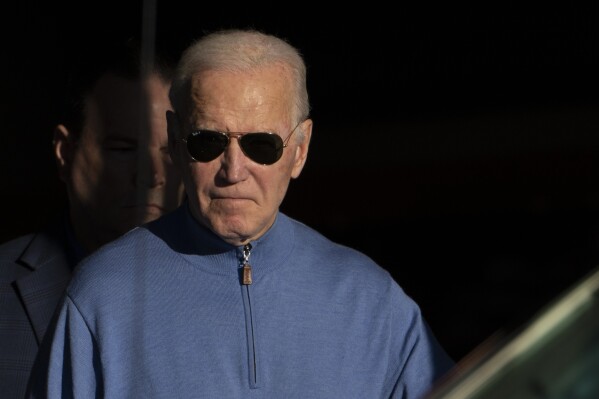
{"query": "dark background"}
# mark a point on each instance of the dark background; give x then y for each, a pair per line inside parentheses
(457, 146)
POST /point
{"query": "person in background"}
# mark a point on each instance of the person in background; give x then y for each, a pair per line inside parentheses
(227, 297)
(111, 149)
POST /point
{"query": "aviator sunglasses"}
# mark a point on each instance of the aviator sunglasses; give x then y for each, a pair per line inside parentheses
(261, 147)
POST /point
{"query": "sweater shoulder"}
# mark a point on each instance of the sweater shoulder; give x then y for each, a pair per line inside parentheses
(116, 261)
(338, 257)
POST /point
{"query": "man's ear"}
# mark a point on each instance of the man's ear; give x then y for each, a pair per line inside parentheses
(301, 151)
(64, 150)
(173, 128)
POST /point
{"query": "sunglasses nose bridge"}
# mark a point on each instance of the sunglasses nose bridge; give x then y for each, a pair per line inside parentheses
(230, 136)
(234, 135)
(237, 136)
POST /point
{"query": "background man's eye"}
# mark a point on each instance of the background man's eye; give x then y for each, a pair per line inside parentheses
(120, 148)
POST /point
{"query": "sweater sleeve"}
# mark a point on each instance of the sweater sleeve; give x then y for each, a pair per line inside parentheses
(424, 361)
(68, 363)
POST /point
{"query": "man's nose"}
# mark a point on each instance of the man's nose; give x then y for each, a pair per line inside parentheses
(151, 169)
(234, 161)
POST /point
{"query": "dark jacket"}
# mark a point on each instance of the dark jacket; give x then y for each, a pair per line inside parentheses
(34, 271)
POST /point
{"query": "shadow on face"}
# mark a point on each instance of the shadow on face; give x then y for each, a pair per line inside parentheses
(118, 172)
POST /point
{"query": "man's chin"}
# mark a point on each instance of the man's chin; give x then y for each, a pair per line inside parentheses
(134, 217)
(146, 217)
(147, 213)
(235, 230)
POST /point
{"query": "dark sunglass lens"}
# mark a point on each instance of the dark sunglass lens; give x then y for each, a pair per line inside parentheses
(263, 148)
(206, 145)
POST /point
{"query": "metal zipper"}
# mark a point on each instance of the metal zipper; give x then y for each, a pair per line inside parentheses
(247, 268)
(246, 281)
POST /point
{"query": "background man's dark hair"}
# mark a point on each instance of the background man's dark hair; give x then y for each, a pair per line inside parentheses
(121, 58)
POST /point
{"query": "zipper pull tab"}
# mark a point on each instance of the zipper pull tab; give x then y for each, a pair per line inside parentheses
(247, 274)
(247, 268)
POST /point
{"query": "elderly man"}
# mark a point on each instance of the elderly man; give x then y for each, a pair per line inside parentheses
(227, 297)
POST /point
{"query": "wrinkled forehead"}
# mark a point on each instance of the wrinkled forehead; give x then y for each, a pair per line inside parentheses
(233, 97)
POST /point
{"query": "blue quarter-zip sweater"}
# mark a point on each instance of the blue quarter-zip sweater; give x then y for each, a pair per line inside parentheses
(163, 312)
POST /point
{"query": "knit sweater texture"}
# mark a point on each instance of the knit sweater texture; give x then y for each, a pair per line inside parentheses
(162, 312)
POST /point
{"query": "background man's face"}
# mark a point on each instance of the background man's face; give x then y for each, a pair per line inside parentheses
(121, 173)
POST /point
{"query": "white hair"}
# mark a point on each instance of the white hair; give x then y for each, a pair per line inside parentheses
(237, 50)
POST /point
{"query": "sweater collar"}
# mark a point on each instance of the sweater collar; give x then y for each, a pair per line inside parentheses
(204, 249)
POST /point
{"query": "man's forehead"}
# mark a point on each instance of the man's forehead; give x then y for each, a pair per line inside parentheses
(222, 94)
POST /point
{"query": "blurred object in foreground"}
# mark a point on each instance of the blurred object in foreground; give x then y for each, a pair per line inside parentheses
(553, 356)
